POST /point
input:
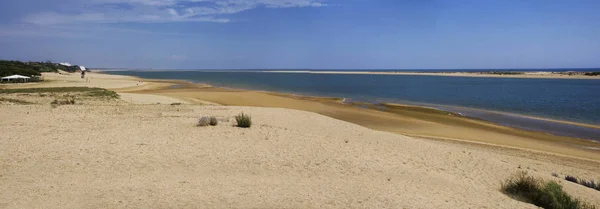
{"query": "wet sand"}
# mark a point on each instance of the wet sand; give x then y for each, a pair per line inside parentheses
(402, 119)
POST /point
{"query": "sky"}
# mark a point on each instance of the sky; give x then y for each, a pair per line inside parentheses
(303, 34)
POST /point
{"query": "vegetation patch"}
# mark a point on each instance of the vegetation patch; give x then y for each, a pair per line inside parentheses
(213, 121)
(243, 120)
(15, 101)
(204, 121)
(592, 73)
(548, 195)
(63, 102)
(587, 183)
(12, 67)
(504, 73)
(92, 92)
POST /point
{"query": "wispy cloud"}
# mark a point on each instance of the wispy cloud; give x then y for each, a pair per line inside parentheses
(156, 11)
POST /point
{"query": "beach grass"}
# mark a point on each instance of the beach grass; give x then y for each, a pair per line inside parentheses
(63, 102)
(92, 92)
(16, 101)
(213, 121)
(243, 120)
(587, 183)
(548, 195)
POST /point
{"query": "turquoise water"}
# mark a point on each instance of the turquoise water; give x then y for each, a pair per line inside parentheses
(487, 98)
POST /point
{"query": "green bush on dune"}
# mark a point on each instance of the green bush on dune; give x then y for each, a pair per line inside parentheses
(213, 121)
(243, 120)
(548, 195)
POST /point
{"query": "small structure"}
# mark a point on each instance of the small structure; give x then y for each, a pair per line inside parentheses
(82, 69)
(15, 79)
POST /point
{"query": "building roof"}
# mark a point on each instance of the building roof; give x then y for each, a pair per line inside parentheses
(15, 77)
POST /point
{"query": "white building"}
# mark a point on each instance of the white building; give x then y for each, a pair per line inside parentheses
(16, 78)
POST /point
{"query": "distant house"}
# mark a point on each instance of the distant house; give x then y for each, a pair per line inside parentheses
(65, 64)
(16, 79)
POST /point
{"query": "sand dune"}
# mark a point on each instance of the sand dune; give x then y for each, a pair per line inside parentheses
(120, 156)
(74, 80)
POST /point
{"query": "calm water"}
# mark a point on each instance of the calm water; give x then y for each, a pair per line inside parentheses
(563, 99)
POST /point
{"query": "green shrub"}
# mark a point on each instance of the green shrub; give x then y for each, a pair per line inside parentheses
(213, 121)
(548, 195)
(243, 121)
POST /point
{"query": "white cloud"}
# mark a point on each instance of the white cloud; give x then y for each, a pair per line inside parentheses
(152, 11)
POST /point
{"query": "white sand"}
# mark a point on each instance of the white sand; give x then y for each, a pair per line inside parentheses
(153, 156)
(149, 99)
(74, 80)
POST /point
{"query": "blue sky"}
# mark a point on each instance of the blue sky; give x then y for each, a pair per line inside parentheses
(299, 34)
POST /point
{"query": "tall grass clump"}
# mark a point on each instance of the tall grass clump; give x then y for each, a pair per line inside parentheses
(590, 184)
(243, 120)
(213, 121)
(548, 195)
(572, 179)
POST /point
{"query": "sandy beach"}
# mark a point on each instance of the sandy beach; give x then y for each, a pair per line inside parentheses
(547, 75)
(144, 150)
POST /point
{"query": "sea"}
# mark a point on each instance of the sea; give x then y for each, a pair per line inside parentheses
(516, 102)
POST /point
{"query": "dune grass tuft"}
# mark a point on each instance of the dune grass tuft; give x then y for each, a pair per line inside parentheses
(572, 179)
(243, 120)
(548, 195)
(587, 183)
(204, 121)
(213, 121)
(15, 101)
(63, 102)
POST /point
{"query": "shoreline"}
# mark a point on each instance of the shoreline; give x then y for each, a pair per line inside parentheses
(437, 107)
(580, 75)
(483, 74)
(534, 121)
(405, 121)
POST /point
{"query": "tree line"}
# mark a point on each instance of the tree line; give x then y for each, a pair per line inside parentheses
(12, 67)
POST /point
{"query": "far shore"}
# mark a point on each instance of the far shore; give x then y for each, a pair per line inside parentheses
(484, 74)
